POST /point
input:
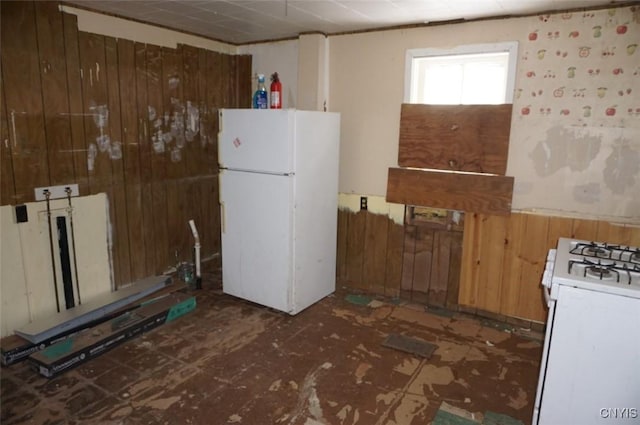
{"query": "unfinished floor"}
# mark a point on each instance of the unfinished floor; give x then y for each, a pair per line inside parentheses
(235, 362)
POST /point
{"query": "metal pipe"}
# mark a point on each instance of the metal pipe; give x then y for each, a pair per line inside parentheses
(47, 195)
(73, 241)
(196, 248)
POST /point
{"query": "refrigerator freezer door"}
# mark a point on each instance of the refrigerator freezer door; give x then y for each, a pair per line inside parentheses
(256, 140)
(257, 237)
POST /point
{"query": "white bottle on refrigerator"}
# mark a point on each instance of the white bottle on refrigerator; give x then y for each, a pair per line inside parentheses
(279, 200)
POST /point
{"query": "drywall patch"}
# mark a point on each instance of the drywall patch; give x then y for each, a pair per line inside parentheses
(522, 188)
(563, 147)
(587, 193)
(622, 167)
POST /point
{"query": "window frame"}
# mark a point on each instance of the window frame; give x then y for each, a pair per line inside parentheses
(511, 47)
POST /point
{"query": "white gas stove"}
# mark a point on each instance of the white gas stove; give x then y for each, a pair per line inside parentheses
(613, 269)
(590, 368)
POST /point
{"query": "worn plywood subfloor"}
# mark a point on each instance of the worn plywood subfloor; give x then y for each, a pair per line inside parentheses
(232, 362)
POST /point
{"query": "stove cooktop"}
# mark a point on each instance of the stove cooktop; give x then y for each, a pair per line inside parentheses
(598, 266)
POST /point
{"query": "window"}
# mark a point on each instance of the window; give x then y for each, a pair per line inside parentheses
(475, 74)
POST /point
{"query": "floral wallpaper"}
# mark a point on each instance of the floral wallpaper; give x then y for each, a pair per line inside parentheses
(576, 124)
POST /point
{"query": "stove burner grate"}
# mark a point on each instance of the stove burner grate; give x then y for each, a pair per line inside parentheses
(602, 273)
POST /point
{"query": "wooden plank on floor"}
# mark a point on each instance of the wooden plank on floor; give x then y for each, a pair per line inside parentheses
(394, 260)
(76, 118)
(47, 327)
(480, 193)
(23, 97)
(55, 93)
(375, 252)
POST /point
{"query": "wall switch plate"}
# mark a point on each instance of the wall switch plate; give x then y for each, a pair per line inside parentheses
(57, 192)
(21, 214)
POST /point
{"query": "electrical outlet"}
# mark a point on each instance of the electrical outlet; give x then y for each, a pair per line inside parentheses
(363, 203)
(56, 192)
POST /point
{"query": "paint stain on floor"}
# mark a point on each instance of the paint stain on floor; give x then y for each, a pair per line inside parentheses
(233, 362)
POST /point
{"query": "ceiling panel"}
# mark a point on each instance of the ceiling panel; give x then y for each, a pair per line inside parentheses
(248, 21)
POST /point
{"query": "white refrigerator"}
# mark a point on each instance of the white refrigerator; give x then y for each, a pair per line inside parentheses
(279, 205)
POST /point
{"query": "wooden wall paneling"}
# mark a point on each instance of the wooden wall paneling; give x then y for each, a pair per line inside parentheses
(158, 127)
(408, 260)
(394, 260)
(422, 264)
(490, 273)
(356, 228)
(131, 157)
(120, 228)
(96, 113)
(478, 134)
(191, 99)
(469, 269)
(584, 229)
(7, 184)
(215, 92)
(534, 255)
(76, 112)
(190, 194)
(463, 192)
(440, 267)
(613, 233)
(341, 244)
(455, 262)
(53, 74)
(173, 134)
(634, 238)
(375, 252)
(559, 227)
(243, 76)
(23, 97)
(145, 130)
(174, 112)
(512, 267)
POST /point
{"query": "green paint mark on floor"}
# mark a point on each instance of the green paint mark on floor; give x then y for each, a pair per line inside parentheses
(492, 418)
(358, 299)
(446, 418)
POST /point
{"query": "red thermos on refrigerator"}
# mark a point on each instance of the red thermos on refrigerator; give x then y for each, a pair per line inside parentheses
(276, 92)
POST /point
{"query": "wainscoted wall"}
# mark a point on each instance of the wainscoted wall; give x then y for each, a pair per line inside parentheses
(135, 121)
(504, 257)
(498, 268)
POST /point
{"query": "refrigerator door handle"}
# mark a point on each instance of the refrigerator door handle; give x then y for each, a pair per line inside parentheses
(222, 216)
